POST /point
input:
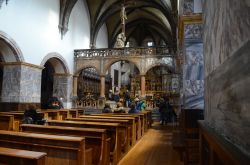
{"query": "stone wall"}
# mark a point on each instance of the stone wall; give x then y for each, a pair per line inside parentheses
(227, 25)
(227, 69)
(21, 83)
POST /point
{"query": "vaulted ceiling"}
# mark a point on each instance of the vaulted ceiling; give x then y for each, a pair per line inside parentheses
(155, 19)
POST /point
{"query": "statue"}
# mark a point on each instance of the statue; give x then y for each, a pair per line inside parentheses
(123, 15)
(120, 40)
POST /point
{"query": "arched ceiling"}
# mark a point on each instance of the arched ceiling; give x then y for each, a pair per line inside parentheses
(156, 18)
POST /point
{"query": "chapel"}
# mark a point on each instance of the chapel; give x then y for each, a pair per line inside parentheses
(101, 82)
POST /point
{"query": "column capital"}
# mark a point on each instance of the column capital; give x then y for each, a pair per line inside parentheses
(102, 75)
(22, 64)
(63, 74)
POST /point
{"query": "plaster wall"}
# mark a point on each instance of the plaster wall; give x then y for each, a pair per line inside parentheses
(33, 24)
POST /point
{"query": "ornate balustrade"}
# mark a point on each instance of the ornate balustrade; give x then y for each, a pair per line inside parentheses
(116, 52)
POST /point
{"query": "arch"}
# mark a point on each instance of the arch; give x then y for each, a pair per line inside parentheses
(11, 46)
(58, 62)
(170, 68)
(85, 67)
(111, 62)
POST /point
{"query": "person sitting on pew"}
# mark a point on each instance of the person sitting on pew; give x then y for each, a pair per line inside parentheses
(107, 108)
(119, 108)
(32, 117)
(133, 108)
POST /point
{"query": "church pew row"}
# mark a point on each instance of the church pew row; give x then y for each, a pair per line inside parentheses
(21, 157)
(138, 121)
(18, 117)
(49, 114)
(94, 138)
(125, 131)
(6, 122)
(131, 120)
(113, 130)
(63, 150)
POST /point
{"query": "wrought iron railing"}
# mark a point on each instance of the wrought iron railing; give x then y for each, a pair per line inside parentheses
(117, 52)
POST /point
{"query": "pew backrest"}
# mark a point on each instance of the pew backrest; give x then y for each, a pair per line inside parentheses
(6, 122)
(21, 157)
(60, 149)
(94, 138)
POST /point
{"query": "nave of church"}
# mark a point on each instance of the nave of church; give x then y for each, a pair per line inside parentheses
(101, 82)
(155, 147)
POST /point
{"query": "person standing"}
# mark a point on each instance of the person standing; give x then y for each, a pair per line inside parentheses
(127, 98)
(163, 109)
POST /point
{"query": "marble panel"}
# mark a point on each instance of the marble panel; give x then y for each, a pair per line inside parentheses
(30, 85)
(227, 25)
(228, 99)
(21, 84)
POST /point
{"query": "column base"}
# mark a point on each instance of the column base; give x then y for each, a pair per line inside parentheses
(17, 106)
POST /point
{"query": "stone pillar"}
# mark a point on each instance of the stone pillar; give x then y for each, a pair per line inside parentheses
(102, 88)
(62, 88)
(75, 78)
(143, 85)
(21, 86)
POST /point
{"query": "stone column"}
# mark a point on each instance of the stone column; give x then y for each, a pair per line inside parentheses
(102, 88)
(75, 78)
(143, 83)
(62, 88)
(21, 86)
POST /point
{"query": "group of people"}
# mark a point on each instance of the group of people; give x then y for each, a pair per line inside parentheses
(135, 106)
(31, 116)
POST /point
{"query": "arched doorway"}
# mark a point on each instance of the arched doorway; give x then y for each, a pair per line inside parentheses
(56, 81)
(125, 83)
(47, 84)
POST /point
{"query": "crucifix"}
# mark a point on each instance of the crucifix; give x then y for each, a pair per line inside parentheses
(123, 17)
(121, 38)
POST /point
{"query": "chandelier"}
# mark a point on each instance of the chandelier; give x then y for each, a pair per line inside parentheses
(1, 2)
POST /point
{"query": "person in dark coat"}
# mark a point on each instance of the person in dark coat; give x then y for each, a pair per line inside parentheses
(133, 108)
(163, 109)
(32, 117)
(107, 109)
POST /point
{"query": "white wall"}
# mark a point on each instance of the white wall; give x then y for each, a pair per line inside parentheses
(102, 37)
(33, 24)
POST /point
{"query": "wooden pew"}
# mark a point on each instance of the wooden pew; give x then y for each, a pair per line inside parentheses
(138, 121)
(112, 130)
(6, 122)
(187, 144)
(55, 114)
(94, 138)
(131, 120)
(18, 117)
(64, 150)
(125, 131)
(21, 157)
